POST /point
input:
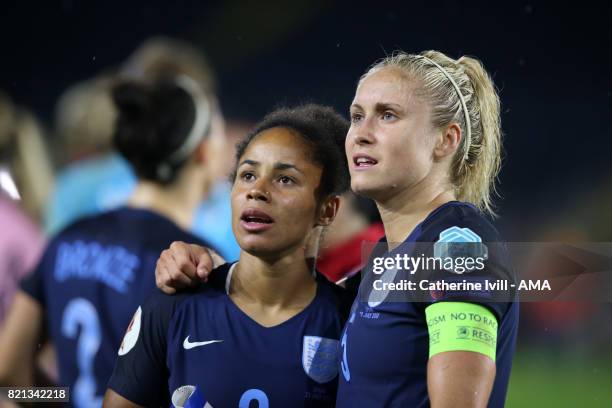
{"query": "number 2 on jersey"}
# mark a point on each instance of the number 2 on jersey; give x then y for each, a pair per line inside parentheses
(80, 312)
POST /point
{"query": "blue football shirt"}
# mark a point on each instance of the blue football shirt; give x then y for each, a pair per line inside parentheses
(202, 339)
(385, 342)
(90, 279)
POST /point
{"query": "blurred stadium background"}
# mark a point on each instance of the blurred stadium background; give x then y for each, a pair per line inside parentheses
(551, 63)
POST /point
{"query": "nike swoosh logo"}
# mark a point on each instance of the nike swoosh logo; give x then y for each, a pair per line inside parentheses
(187, 345)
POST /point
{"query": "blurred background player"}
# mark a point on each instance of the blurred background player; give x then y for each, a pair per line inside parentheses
(21, 241)
(98, 269)
(161, 57)
(26, 173)
(94, 178)
(25, 182)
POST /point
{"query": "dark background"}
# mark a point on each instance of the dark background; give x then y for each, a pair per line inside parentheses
(551, 63)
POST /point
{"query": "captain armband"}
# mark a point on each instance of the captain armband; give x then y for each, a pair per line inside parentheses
(460, 326)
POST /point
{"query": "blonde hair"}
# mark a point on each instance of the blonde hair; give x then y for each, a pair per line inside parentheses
(84, 119)
(477, 162)
(160, 58)
(24, 151)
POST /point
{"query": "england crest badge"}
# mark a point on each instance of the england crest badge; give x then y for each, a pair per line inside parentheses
(319, 358)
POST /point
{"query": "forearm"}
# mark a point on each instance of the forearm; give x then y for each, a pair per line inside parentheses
(18, 341)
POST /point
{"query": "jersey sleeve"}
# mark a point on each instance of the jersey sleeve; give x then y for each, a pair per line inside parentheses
(140, 374)
(472, 252)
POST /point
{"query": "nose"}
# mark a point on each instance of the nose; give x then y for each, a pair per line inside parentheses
(259, 192)
(364, 139)
(364, 133)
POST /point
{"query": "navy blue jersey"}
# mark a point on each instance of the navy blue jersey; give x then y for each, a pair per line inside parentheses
(202, 339)
(385, 342)
(90, 279)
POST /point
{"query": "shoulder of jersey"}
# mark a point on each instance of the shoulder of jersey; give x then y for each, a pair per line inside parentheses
(333, 294)
(111, 218)
(83, 225)
(216, 282)
(330, 288)
(218, 278)
(158, 299)
(460, 218)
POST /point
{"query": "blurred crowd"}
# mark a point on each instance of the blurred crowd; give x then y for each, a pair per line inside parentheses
(53, 175)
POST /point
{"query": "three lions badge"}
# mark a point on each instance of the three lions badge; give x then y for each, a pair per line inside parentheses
(319, 358)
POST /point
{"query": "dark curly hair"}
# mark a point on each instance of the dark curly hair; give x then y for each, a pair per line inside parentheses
(323, 129)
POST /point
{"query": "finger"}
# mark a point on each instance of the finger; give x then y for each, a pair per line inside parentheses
(178, 279)
(161, 274)
(169, 275)
(180, 260)
(161, 280)
(207, 262)
(169, 290)
(218, 260)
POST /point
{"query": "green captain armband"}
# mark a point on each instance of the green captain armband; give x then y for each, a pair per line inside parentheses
(459, 326)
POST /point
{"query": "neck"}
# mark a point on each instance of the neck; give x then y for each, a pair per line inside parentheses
(282, 283)
(177, 201)
(344, 228)
(402, 212)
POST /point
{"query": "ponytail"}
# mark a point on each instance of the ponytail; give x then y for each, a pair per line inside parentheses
(476, 181)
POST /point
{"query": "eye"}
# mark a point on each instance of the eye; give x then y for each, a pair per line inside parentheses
(388, 116)
(247, 176)
(285, 180)
(356, 117)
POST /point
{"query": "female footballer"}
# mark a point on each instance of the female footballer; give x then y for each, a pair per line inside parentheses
(95, 272)
(264, 329)
(425, 144)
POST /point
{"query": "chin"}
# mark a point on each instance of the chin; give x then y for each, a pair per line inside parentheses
(258, 247)
(365, 189)
(267, 249)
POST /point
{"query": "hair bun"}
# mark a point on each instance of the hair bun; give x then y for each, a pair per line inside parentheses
(132, 99)
(153, 120)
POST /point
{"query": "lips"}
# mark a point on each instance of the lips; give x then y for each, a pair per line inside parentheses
(362, 161)
(254, 220)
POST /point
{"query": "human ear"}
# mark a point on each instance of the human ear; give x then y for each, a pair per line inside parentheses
(200, 152)
(449, 141)
(328, 210)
